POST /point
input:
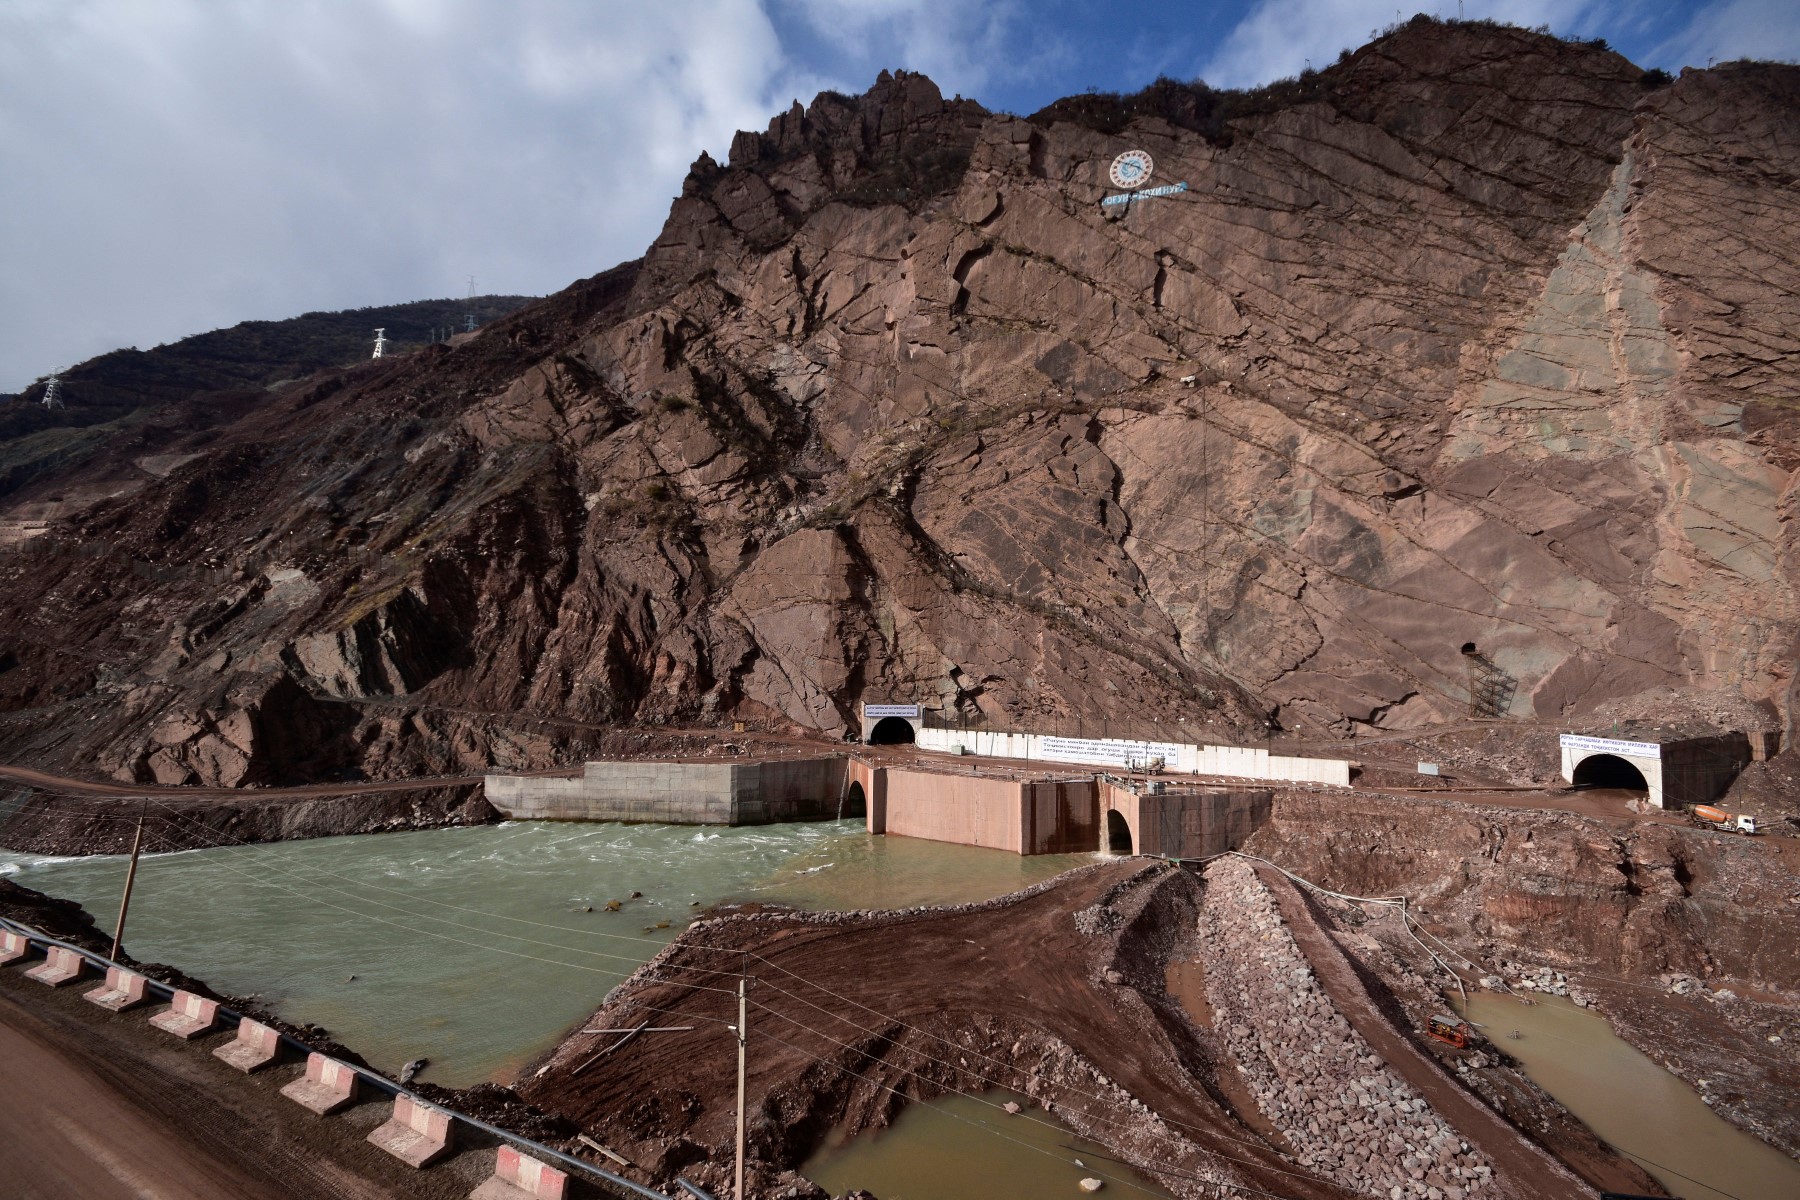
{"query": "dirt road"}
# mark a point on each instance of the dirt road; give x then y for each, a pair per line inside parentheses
(69, 1133)
(97, 787)
(1511, 1153)
(103, 1106)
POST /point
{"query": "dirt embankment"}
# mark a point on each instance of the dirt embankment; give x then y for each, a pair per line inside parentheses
(1625, 911)
(1078, 993)
(49, 823)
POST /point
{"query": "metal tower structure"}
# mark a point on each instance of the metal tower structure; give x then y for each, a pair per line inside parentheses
(469, 315)
(53, 391)
(1490, 688)
(380, 342)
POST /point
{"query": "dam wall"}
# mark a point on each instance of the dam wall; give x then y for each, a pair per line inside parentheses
(1020, 811)
(1182, 758)
(678, 793)
(1190, 823)
(1021, 814)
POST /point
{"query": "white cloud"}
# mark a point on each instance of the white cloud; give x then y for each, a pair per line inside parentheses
(1277, 38)
(176, 165)
(964, 46)
(1732, 29)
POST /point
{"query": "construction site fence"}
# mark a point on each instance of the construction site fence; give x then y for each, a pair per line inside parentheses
(374, 1078)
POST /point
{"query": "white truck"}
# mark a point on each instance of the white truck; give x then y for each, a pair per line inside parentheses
(1718, 818)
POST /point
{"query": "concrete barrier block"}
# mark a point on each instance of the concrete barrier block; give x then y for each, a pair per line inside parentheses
(255, 1047)
(59, 968)
(417, 1134)
(188, 1017)
(327, 1086)
(122, 990)
(13, 947)
(520, 1177)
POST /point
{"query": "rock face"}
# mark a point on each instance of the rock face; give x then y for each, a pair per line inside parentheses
(1488, 344)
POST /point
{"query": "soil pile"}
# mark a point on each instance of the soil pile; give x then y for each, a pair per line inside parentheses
(1062, 993)
(1475, 339)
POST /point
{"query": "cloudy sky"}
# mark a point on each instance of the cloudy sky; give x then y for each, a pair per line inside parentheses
(171, 166)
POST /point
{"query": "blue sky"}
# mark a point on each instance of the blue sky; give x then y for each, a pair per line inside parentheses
(172, 166)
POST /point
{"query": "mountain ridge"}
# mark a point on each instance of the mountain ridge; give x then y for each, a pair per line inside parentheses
(1448, 352)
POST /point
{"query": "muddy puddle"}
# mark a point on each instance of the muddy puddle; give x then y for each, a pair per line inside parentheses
(1632, 1103)
(969, 1148)
(479, 947)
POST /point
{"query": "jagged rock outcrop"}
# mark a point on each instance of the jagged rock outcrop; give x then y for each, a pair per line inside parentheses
(1487, 338)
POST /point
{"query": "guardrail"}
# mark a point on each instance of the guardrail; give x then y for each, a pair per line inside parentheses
(375, 1079)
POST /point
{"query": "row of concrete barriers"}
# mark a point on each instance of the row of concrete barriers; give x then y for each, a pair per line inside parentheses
(418, 1133)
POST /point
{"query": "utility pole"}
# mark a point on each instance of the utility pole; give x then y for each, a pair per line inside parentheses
(137, 843)
(742, 1017)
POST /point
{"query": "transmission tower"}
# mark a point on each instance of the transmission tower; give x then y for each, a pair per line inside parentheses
(53, 391)
(469, 316)
(380, 342)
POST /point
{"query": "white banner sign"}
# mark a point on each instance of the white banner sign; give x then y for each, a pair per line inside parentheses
(1108, 751)
(875, 712)
(1594, 745)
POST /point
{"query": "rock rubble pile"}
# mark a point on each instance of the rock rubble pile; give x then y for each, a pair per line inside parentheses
(1346, 1114)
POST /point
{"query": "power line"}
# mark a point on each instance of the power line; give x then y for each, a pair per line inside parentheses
(1038, 1149)
(176, 816)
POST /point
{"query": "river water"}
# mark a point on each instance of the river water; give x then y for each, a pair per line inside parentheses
(968, 1148)
(1632, 1103)
(479, 947)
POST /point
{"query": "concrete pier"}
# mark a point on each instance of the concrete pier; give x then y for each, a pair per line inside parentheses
(679, 793)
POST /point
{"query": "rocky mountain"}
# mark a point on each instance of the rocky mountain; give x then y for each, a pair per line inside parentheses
(1465, 365)
(109, 399)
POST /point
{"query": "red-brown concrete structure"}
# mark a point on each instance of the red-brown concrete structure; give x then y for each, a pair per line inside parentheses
(417, 1134)
(122, 990)
(327, 1086)
(59, 968)
(13, 947)
(256, 1046)
(520, 1177)
(188, 1016)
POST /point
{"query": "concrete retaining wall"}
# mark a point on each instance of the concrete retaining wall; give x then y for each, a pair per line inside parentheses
(1186, 758)
(1193, 823)
(677, 793)
(967, 809)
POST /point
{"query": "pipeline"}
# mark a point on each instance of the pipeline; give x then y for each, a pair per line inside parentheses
(380, 1082)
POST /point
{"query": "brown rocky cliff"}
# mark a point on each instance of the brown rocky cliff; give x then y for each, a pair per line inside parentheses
(1490, 342)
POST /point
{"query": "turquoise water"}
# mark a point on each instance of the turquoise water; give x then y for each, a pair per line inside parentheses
(480, 947)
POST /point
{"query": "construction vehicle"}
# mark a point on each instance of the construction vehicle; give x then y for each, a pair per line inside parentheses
(1452, 1031)
(1718, 818)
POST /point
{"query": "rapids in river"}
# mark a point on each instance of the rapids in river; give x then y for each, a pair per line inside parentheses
(479, 947)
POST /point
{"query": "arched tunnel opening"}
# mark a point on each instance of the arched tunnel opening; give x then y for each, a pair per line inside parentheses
(1118, 833)
(1609, 771)
(856, 801)
(892, 731)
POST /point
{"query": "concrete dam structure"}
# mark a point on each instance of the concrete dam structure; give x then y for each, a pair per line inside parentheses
(1023, 812)
(741, 792)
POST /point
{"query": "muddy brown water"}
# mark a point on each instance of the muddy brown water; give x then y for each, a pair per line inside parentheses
(969, 1148)
(1632, 1103)
(479, 947)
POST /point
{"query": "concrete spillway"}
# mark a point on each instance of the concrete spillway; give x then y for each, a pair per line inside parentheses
(1025, 812)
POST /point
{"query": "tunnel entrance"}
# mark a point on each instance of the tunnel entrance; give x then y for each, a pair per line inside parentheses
(892, 731)
(1118, 833)
(856, 801)
(1609, 771)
